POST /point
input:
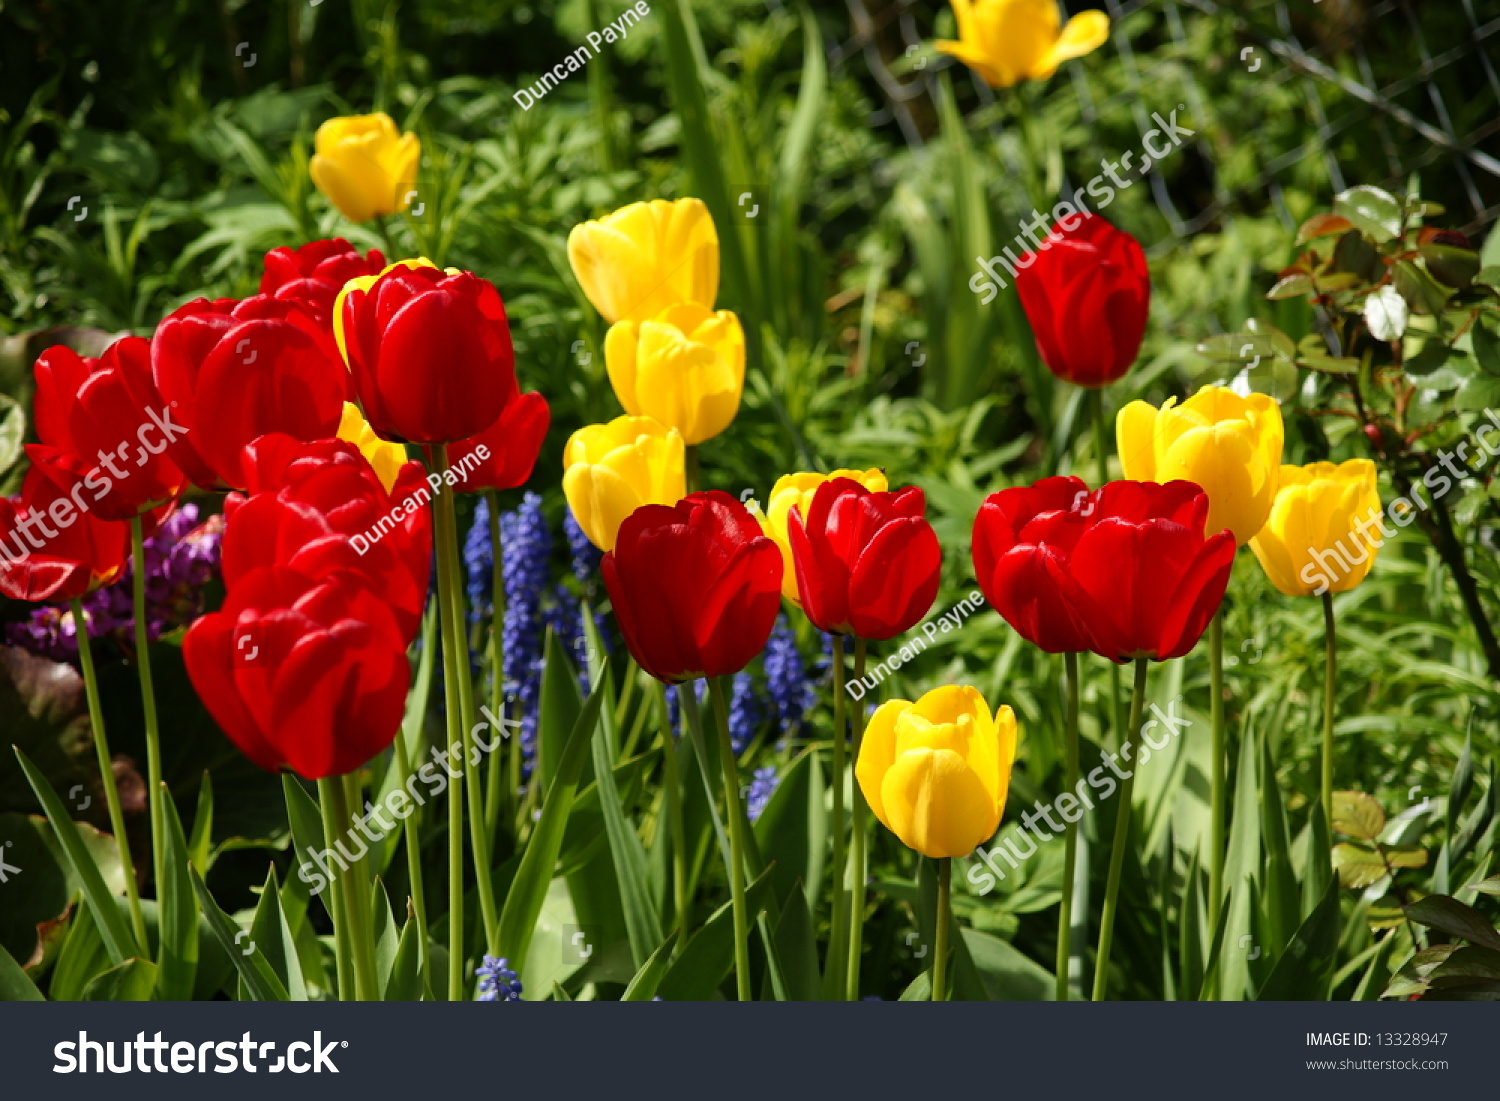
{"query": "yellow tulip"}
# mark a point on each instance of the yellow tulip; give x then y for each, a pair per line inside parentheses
(1319, 523)
(936, 772)
(798, 489)
(685, 367)
(364, 166)
(610, 470)
(644, 257)
(385, 457)
(1008, 41)
(1230, 445)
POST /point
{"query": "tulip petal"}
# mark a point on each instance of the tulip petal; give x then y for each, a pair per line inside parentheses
(937, 804)
(1135, 431)
(877, 752)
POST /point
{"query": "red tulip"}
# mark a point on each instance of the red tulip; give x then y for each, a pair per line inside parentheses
(512, 443)
(302, 673)
(237, 370)
(105, 431)
(867, 563)
(429, 353)
(1086, 294)
(1124, 571)
(312, 276)
(50, 550)
(695, 586)
(319, 507)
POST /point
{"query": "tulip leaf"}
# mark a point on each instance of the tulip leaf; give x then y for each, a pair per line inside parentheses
(709, 956)
(260, 980)
(1317, 867)
(132, 981)
(528, 891)
(1301, 973)
(793, 827)
(642, 987)
(1376, 973)
(919, 989)
(15, 984)
(177, 910)
(1008, 974)
(797, 947)
(405, 981)
(114, 931)
(1356, 814)
(272, 937)
(200, 843)
(387, 942)
(558, 709)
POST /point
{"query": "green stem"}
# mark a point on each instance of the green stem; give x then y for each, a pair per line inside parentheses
(857, 854)
(1122, 833)
(1330, 677)
(944, 919)
(148, 704)
(107, 775)
(497, 798)
(691, 473)
(391, 255)
(413, 831)
(675, 823)
(1218, 781)
(736, 818)
(346, 795)
(838, 944)
(337, 888)
(1070, 839)
(1101, 457)
(444, 538)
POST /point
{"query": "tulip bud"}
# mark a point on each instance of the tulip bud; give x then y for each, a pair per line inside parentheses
(1318, 536)
(1008, 41)
(646, 257)
(685, 367)
(364, 166)
(610, 470)
(797, 490)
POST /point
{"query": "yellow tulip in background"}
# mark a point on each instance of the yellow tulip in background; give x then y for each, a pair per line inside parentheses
(936, 772)
(1314, 540)
(645, 257)
(387, 458)
(685, 368)
(1229, 444)
(364, 165)
(798, 489)
(1008, 41)
(610, 470)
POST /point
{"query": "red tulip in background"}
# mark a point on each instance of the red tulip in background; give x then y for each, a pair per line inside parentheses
(430, 353)
(237, 370)
(303, 673)
(1124, 571)
(51, 551)
(867, 563)
(695, 586)
(318, 508)
(312, 276)
(105, 432)
(1087, 295)
(513, 443)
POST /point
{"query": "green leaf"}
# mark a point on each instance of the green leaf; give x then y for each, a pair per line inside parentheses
(1423, 293)
(306, 821)
(261, 982)
(15, 984)
(1372, 211)
(1358, 866)
(919, 989)
(1295, 285)
(1490, 886)
(1452, 266)
(272, 938)
(83, 956)
(528, 890)
(387, 943)
(642, 987)
(1377, 973)
(793, 828)
(201, 841)
(114, 931)
(132, 981)
(642, 922)
(1321, 225)
(1008, 974)
(405, 981)
(1450, 916)
(177, 910)
(1301, 974)
(1356, 814)
(709, 955)
(1486, 348)
(1281, 900)
(1317, 866)
(558, 709)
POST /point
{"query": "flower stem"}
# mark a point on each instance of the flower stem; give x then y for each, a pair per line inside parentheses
(1070, 839)
(148, 703)
(496, 797)
(1330, 676)
(415, 888)
(690, 458)
(1101, 457)
(857, 854)
(944, 919)
(446, 542)
(337, 890)
(839, 927)
(107, 775)
(674, 818)
(1218, 782)
(391, 255)
(1122, 833)
(346, 792)
(736, 818)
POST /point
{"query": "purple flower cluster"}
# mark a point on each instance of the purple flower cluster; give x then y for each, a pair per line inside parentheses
(181, 558)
